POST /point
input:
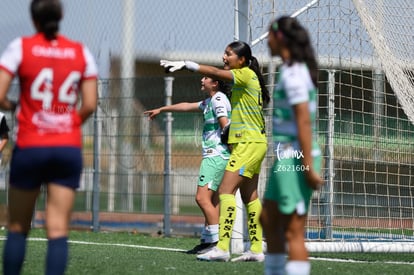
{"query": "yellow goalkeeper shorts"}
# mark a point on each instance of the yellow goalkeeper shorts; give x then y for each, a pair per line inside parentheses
(246, 158)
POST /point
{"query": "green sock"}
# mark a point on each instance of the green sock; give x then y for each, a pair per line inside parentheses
(227, 217)
(254, 227)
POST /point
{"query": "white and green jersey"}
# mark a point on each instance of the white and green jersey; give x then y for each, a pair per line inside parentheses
(294, 86)
(214, 107)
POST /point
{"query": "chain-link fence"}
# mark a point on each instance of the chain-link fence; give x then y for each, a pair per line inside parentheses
(123, 151)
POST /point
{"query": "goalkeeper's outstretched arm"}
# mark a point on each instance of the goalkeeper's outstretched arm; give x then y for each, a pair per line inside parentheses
(206, 70)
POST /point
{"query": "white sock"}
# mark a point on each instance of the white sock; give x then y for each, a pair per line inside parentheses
(203, 235)
(298, 268)
(275, 264)
(211, 233)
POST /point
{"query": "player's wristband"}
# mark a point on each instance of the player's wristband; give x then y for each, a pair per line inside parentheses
(192, 66)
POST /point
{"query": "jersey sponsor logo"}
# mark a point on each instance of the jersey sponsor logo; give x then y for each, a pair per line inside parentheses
(47, 122)
(220, 110)
(228, 221)
(253, 226)
(61, 53)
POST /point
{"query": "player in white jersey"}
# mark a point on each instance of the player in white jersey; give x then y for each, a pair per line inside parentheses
(216, 112)
(295, 172)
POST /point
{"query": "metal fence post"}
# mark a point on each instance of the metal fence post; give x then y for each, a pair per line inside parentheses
(378, 108)
(97, 123)
(167, 155)
(328, 198)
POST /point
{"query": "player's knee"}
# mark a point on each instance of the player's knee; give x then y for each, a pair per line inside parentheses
(57, 229)
(202, 200)
(293, 234)
(22, 228)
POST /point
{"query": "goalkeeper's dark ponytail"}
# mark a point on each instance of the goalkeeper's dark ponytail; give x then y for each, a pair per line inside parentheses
(254, 65)
(242, 49)
(224, 87)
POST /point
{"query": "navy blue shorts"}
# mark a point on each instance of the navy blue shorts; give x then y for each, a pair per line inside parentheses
(31, 167)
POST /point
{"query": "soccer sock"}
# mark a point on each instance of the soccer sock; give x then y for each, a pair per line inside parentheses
(298, 268)
(254, 226)
(203, 235)
(227, 217)
(211, 235)
(14, 252)
(57, 256)
(275, 264)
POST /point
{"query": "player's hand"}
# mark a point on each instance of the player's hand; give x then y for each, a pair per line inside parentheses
(172, 66)
(313, 179)
(152, 113)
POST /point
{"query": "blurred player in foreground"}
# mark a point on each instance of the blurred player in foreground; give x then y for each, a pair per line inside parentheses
(52, 71)
(248, 140)
(295, 173)
(216, 112)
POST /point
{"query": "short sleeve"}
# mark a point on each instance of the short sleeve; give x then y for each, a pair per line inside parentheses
(12, 57)
(91, 70)
(296, 88)
(219, 105)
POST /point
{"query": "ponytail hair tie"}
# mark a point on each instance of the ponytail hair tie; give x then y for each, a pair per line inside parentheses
(275, 26)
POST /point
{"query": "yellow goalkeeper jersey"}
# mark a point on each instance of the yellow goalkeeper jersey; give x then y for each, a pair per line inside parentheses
(247, 121)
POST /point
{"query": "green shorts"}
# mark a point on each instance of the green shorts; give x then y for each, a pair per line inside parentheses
(211, 172)
(247, 157)
(287, 185)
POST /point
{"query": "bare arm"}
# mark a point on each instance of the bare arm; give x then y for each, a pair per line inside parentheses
(5, 81)
(223, 121)
(304, 125)
(179, 107)
(89, 99)
(3, 142)
(215, 73)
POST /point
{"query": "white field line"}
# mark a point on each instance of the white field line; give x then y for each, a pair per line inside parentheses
(357, 261)
(111, 244)
(182, 250)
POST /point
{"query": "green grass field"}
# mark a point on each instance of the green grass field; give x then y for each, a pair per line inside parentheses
(128, 253)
